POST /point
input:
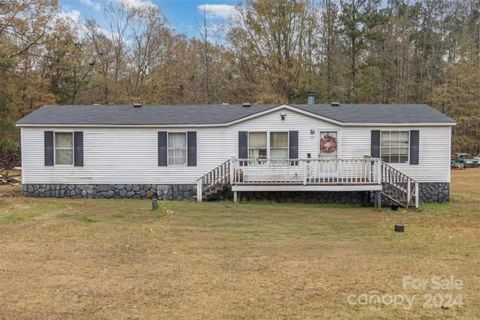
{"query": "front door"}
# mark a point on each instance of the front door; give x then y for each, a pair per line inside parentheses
(327, 168)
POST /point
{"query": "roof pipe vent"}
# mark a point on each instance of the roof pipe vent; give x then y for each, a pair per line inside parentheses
(137, 105)
(247, 105)
(335, 104)
(311, 97)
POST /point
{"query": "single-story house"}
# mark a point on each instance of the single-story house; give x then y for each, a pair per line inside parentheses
(312, 152)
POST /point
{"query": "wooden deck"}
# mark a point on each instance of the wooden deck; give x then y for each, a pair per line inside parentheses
(306, 175)
(338, 175)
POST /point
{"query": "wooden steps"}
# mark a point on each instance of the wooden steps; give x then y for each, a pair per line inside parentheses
(398, 187)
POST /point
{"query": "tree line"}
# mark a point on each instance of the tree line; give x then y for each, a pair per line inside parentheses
(352, 51)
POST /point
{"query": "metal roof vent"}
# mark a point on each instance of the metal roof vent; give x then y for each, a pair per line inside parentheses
(246, 105)
(335, 104)
(137, 105)
(311, 97)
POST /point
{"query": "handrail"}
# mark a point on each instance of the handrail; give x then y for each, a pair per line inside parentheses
(402, 187)
(307, 171)
(217, 177)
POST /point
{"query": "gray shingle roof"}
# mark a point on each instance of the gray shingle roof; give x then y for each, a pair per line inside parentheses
(380, 113)
(219, 114)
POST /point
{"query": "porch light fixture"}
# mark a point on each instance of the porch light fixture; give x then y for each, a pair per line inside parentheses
(283, 115)
(312, 131)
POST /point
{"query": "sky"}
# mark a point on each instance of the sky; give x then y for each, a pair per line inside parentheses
(185, 16)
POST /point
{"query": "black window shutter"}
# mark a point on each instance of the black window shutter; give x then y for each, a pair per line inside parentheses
(243, 145)
(192, 148)
(48, 140)
(162, 149)
(414, 146)
(78, 145)
(375, 144)
(293, 144)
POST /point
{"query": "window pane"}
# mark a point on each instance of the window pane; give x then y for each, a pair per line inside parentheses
(385, 151)
(257, 153)
(385, 138)
(279, 154)
(177, 140)
(394, 136)
(63, 156)
(395, 158)
(279, 140)
(257, 139)
(63, 140)
(171, 158)
(177, 156)
(180, 156)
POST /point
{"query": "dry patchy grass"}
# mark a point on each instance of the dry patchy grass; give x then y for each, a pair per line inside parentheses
(114, 259)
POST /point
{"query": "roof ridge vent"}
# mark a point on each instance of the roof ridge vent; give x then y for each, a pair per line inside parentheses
(246, 105)
(335, 104)
(137, 105)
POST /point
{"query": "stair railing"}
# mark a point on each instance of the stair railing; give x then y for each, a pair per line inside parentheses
(402, 188)
(217, 177)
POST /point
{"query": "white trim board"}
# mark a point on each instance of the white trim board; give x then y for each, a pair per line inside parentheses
(359, 187)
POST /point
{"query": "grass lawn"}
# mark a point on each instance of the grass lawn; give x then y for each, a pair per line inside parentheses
(114, 259)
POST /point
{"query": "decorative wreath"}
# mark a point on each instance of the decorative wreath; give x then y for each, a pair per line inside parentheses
(328, 144)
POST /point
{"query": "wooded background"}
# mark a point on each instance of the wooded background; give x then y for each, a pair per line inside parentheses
(352, 51)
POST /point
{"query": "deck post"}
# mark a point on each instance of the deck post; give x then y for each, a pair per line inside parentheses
(235, 196)
(378, 200)
(199, 190)
(409, 192)
(379, 171)
(417, 194)
(232, 170)
(304, 173)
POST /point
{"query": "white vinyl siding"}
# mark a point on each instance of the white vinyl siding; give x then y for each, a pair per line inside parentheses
(130, 155)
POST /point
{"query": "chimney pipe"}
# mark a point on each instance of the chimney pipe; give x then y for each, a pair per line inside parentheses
(311, 97)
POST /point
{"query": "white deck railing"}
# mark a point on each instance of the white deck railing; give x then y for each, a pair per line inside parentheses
(307, 171)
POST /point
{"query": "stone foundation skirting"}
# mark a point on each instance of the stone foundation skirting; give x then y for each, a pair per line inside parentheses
(429, 192)
(112, 191)
(434, 192)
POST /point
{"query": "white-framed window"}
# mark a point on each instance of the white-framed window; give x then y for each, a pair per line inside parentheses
(257, 145)
(394, 146)
(64, 148)
(177, 148)
(279, 146)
